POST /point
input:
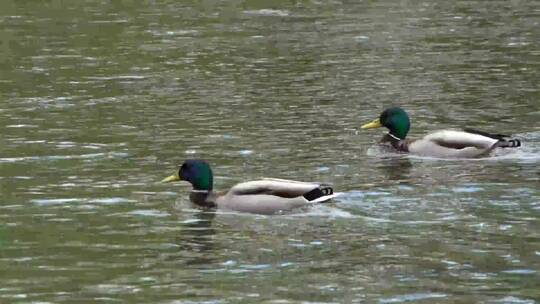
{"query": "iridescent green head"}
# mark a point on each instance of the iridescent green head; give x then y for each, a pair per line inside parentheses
(196, 172)
(394, 119)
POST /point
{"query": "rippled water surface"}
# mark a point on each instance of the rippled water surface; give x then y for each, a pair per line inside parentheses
(99, 100)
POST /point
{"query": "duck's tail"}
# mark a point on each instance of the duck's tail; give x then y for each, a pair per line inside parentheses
(504, 140)
(319, 194)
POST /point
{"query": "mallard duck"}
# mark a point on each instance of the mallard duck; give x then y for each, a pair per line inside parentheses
(266, 196)
(466, 143)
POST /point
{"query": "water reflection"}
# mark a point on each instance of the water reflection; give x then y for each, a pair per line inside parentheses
(394, 168)
(197, 238)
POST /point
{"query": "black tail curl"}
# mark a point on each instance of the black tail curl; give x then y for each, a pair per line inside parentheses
(318, 192)
(511, 143)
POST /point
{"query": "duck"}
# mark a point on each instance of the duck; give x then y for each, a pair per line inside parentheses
(265, 196)
(451, 143)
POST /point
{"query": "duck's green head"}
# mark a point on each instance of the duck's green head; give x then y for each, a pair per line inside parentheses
(196, 172)
(394, 119)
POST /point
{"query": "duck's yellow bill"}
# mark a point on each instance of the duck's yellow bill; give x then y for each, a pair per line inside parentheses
(172, 178)
(374, 124)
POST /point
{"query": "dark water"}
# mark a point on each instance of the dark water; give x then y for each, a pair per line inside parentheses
(101, 99)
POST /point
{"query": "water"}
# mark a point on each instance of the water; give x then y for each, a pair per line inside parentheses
(101, 100)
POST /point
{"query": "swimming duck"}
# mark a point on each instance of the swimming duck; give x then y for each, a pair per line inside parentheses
(466, 143)
(266, 196)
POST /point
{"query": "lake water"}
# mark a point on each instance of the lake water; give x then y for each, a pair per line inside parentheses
(99, 100)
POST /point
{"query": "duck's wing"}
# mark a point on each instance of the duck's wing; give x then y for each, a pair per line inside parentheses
(504, 141)
(487, 134)
(277, 187)
(457, 139)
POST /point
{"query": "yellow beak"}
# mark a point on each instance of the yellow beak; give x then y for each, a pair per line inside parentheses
(374, 124)
(172, 178)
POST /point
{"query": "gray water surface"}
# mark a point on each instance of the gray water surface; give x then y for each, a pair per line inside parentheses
(102, 99)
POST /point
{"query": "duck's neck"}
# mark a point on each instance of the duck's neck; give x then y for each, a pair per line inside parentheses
(396, 142)
(203, 198)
